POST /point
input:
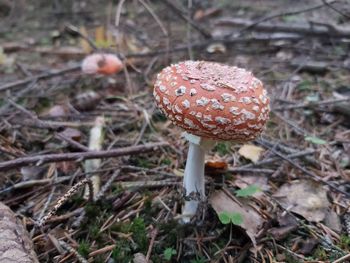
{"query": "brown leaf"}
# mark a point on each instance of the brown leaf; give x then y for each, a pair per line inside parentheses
(204, 13)
(307, 246)
(83, 43)
(86, 101)
(57, 111)
(221, 201)
(31, 172)
(140, 258)
(305, 198)
(66, 166)
(251, 152)
(72, 133)
(282, 232)
(332, 221)
(243, 181)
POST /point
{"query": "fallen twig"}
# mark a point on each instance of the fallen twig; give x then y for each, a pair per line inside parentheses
(311, 29)
(38, 77)
(314, 176)
(310, 104)
(70, 249)
(80, 156)
(287, 13)
(342, 259)
(273, 159)
(32, 183)
(178, 11)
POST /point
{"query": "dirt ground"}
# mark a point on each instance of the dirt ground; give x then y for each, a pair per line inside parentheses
(284, 197)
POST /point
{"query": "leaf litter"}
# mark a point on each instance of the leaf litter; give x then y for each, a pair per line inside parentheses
(305, 221)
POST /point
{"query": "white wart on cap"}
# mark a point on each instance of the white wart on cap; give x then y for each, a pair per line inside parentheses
(213, 100)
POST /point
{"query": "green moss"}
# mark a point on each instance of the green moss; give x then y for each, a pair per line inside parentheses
(139, 234)
(94, 231)
(166, 161)
(92, 210)
(198, 260)
(344, 242)
(291, 259)
(305, 85)
(143, 163)
(84, 248)
(117, 189)
(122, 252)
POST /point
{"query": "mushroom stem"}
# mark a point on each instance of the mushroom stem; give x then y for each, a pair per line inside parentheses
(194, 184)
(193, 180)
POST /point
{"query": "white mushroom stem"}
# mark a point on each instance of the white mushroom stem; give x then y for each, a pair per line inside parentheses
(194, 183)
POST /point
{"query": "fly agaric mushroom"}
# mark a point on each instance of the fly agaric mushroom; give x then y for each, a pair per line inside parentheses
(105, 64)
(211, 102)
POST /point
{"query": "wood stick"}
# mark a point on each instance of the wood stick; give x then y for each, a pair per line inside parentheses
(79, 156)
(311, 29)
(17, 83)
(314, 176)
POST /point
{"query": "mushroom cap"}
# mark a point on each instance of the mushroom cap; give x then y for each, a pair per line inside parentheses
(105, 64)
(213, 100)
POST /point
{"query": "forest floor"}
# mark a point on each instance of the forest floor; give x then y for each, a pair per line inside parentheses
(284, 197)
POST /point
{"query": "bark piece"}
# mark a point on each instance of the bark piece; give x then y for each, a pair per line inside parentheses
(15, 243)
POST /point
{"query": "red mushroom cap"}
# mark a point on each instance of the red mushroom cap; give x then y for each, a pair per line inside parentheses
(105, 64)
(213, 100)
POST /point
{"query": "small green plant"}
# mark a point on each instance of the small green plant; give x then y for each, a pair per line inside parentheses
(234, 218)
(169, 253)
(315, 140)
(222, 148)
(248, 191)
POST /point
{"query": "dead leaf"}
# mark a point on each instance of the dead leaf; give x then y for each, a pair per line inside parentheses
(83, 43)
(71, 133)
(307, 246)
(252, 221)
(140, 258)
(86, 101)
(178, 172)
(282, 232)
(31, 172)
(58, 111)
(332, 221)
(103, 37)
(243, 181)
(251, 152)
(305, 198)
(66, 166)
(204, 13)
(287, 224)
